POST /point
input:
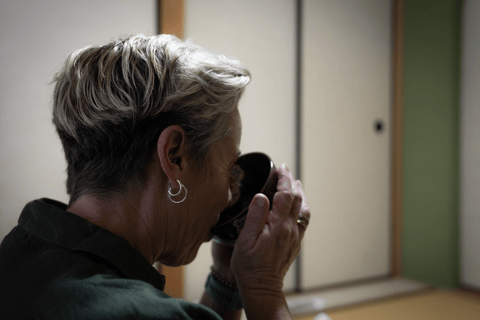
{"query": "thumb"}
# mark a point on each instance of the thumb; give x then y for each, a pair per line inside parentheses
(257, 216)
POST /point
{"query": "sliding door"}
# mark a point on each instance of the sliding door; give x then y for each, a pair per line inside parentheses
(346, 134)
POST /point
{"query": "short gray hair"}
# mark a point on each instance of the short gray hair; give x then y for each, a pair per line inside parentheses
(112, 102)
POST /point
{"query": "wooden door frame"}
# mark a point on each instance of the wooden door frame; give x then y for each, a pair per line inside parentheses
(397, 137)
(171, 18)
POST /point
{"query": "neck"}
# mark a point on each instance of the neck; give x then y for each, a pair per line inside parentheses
(129, 217)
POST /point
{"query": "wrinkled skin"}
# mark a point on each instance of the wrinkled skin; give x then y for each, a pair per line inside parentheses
(270, 240)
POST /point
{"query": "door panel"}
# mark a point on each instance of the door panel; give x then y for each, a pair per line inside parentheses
(470, 148)
(345, 159)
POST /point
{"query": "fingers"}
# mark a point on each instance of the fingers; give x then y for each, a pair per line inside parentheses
(271, 239)
(256, 218)
(289, 188)
(296, 206)
(288, 199)
(304, 212)
(285, 179)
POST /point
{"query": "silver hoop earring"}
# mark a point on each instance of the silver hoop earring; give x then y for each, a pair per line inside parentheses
(170, 194)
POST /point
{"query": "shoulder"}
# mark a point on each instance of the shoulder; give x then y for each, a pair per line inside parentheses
(107, 297)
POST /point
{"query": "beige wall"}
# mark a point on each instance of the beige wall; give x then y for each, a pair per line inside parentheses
(470, 146)
(35, 39)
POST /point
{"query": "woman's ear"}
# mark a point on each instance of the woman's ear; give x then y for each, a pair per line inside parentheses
(171, 152)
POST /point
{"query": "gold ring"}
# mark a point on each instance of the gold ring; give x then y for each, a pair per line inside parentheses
(303, 221)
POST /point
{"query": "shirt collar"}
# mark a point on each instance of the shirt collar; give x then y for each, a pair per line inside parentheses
(49, 220)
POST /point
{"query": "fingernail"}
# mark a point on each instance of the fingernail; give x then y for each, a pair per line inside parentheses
(261, 202)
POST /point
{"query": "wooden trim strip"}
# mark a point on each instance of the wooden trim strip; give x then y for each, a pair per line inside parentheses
(340, 285)
(473, 291)
(397, 138)
(171, 19)
(174, 276)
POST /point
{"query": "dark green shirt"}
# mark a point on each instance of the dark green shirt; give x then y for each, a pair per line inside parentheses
(56, 265)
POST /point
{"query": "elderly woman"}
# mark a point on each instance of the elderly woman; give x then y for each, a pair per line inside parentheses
(150, 130)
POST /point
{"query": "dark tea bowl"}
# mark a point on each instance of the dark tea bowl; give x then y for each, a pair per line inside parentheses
(255, 173)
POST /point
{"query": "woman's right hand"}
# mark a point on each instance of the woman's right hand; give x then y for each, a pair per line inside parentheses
(270, 239)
